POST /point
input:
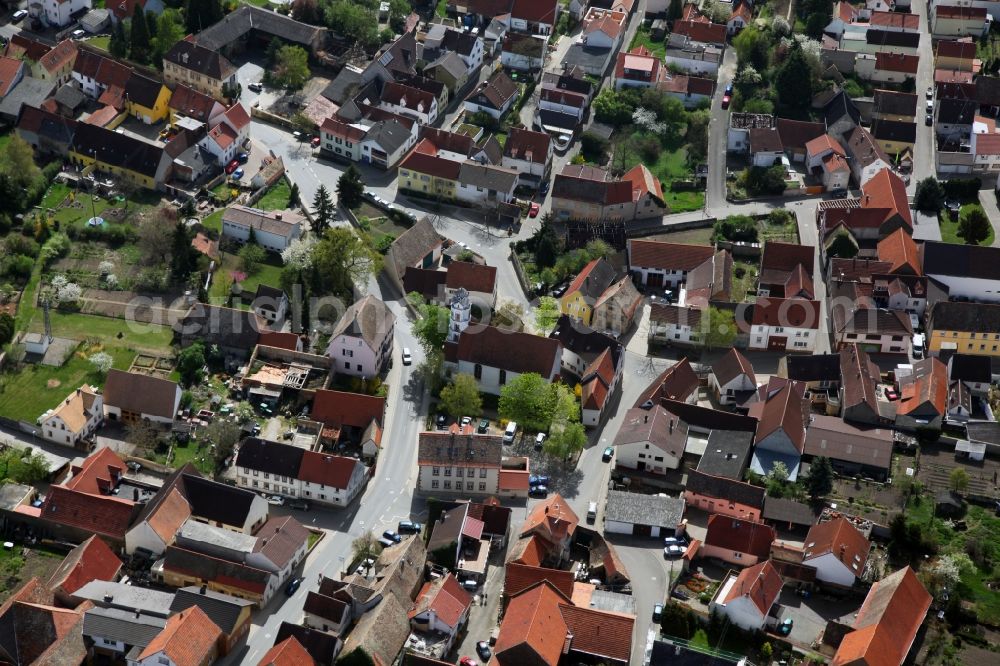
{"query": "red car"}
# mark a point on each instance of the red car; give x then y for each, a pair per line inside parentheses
(232, 166)
(467, 661)
(533, 211)
(725, 101)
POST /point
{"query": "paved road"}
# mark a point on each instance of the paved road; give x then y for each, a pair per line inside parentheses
(715, 195)
(388, 498)
(923, 158)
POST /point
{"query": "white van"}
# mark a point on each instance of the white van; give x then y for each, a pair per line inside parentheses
(508, 434)
(592, 512)
(918, 345)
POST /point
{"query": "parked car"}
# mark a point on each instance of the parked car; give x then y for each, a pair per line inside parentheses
(276, 500)
(538, 480)
(232, 166)
(409, 526)
(243, 158)
(467, 661)
(392, 536)
(544, 189)
(678, 593)
(238, 174)
(292, 586)
(540, 440)
(729, 89)
(930, 105)
(559, 291)
(785, 627)
(407, 356)
(657, 612)
(483, 650)
(466, 420)
(255, 87)
(78, 34)
(483, 427)
(300, 504)
(533, 211)
(725, 100)
(674, 551)
(608, 454)
(539, 491)
(929, 119)
(563, 141)
(18, 16)
(930, 92)
(441, 421)
(470, 585)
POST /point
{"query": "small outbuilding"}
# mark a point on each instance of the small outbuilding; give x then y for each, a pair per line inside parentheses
(643, 515)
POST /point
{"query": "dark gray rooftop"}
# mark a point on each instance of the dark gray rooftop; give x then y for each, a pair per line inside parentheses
(623, 507)
(727, 453)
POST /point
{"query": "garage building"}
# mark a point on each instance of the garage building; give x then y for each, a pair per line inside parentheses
(642, 515)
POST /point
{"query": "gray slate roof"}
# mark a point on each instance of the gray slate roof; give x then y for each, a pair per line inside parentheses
(120, 625)
(488, 177)
(30, 91)
(126, 597)
(389, 134)
(726, 454)
(247, 18)
(623, 507)
(223, 609)
(369, 319)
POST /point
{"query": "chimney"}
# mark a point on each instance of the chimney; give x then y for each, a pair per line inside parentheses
(108, 598)
(671, 425)
(277, 216)
(645, 418)
(203, 590)
(137, 613)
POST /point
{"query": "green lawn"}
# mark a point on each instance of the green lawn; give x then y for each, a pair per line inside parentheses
(214, 221)
(82, 326)
(669, 166)
(949, 229)
(276, 198)
(642, 38)
(27, 394)
(267, 273)
(224, 191)
(982, 525)
(55, 195)
(442, 8)
(100, 42)
(746, 283)
(197, 455)
(4, 140)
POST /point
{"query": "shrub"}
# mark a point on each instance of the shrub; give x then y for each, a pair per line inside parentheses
(736, 228)
(962, 188)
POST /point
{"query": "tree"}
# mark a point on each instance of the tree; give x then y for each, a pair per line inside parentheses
(721, 329)
(675, 10)
(102, 362)
(155, 236)
(350, 188)
(183, 257)
(143, 434)
(398, 11)
(697, 135)
(190, 363)
(201, 14)
(118, 45)
(752, 47)
(169, 31)
(291, 68)
(820, 480)
(341, 260)
(793, 82)
(243, 413)
(461, 397)
(567, 442)
(307, 11)
(139, 36)
(346, 17)
(528, 400)
(431, 330)
(613, 107)
(366, 547)
(322, 210)
(223, 434)
(973, 225)
(958, 480)
(7, 328)
(22, 466)
(778, 473)
(251, 257)
(815, 24)
(929, 195)
(545, 245)
(546, 314)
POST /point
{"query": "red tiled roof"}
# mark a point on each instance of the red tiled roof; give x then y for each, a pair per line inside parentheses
(840, 537)
(739, 536)
(224, 135)
(520, 577)
(535, 11)
(530, 551)
(597, 379)
(192, 103)
(887, 190)
(931, 386)
(950, 48)
(760, 583)
(791, 312)
(447, 600)
(288, 652)
(188, 638)
(732, 365)
(339, 128)
(987, 144)
(742, 11)
(431, 165)
(643, 182)
(98, 473)
(786, 256)
(61, 55)
(895, 20)
(237, 116)
(900, 250)
(527, 145)
(514, 479)
(667, 256)
(107, 516)
(279, 340)
(32, 49)
(599, 633)
(408, 97)
(897, 62)
(507, 350)
(823, 143)
(9, 68)
(533, 630)
(887, 623)
(471, 276)
(783, 407)
(552, 519)
(340, 408)
(91, 560)
(698, 31)
(123, 9)
(326, 469)
(955, 12)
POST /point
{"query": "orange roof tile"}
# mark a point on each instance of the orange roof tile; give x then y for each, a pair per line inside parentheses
(91, 560)
(552, 519)
(288, 652)
(98, 473)
(520, 577)
(761, 583)
(340, 408)
(187, 639)
(169, 515)
(514, 479)
(533, 630)
(899, 249)
(840, 537)
(446, 599)
(599, 633)
(530, 551)
(9, 69)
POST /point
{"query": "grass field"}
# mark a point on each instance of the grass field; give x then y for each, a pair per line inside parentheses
(100, 42)
(982, 525)
(700, 236)
(267, 273)
(949, 229)
(746, 283)
(194, 453)
(214, 221)
(27, 394)
(111, 331)
(642, 38)
(669, 166)
(276, 198)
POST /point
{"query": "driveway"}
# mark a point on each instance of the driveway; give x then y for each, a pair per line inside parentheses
(810, 616)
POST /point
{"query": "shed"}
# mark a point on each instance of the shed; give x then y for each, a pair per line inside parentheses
(642, 515)
(974, 450)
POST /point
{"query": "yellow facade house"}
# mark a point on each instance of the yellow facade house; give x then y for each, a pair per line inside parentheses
(586, 289)
(147, 99)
